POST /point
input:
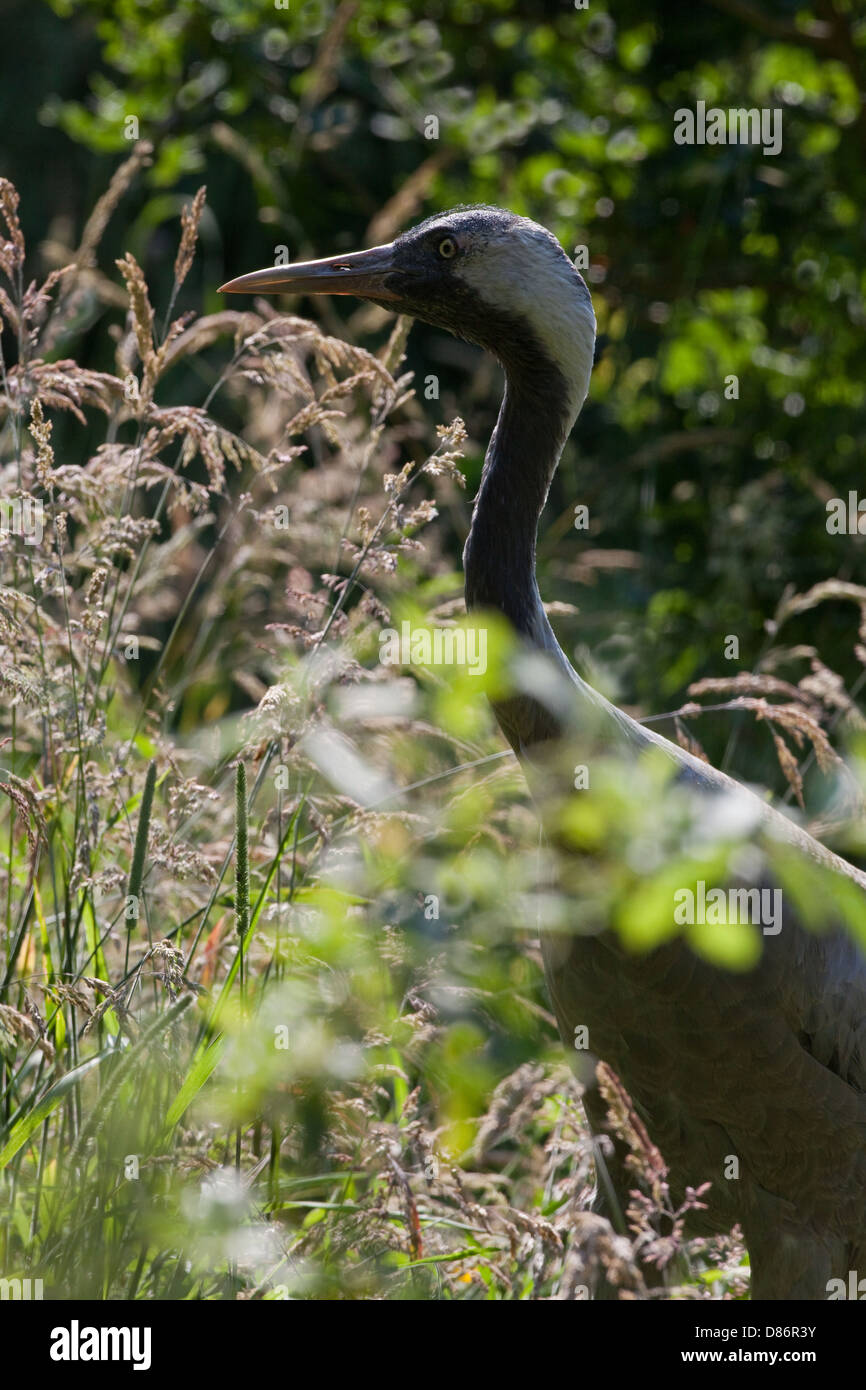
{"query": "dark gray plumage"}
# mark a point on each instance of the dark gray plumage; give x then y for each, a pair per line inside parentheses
(768, 1066)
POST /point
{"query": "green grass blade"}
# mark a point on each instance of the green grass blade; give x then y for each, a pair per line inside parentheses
(136, 873)
(204, 1063)
(23, 1128)
(242, 860)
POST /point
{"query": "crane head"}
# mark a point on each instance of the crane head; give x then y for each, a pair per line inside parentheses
(482, 273)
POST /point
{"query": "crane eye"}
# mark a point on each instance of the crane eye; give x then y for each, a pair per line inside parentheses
(447, 248)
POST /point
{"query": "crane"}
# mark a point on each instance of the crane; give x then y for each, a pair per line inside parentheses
(766, 1067)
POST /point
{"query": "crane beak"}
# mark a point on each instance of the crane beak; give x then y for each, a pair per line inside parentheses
(362, 273)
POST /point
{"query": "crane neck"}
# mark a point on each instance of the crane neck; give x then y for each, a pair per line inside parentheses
(538, 410)
(537, 413)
